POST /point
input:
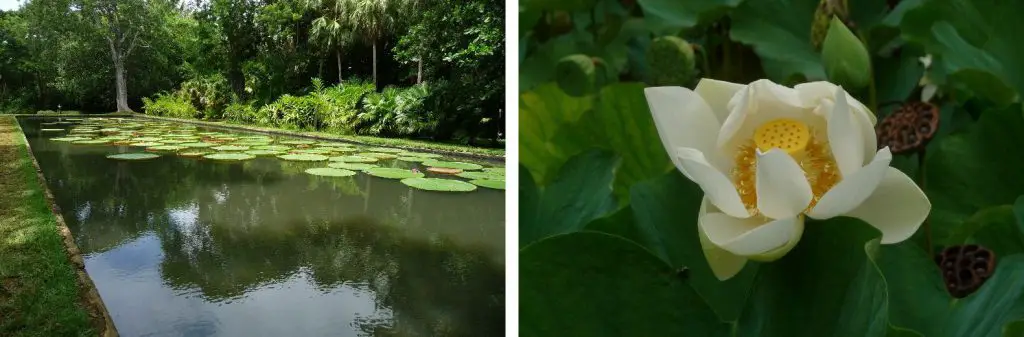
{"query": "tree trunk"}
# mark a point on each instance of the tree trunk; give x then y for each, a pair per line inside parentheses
(121, 87)
(374, 64)
(339, 66)
(419, 72)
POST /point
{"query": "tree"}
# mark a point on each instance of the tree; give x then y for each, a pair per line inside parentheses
(333, 28)
(372, 19)
(236, 19)
(120, 23)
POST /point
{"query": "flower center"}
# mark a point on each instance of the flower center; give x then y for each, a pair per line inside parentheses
(810, 151)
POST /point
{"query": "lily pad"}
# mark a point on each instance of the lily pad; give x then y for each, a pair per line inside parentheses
(452, 164)
(265, 153)
(492, 184)
(230, 148)
(147, 139)
(297, 142)
(392, 173)
(496, 170)
(174, 141)
(330, 172)
(412, 159)
(385, 149)
(378, 155)
(198, 144)
(90, 142)
(146, 144)
(256, 138)
(68, 139)
(354, 159)
(352, 166)
(51, 130)
(481, 175)
(229, 156)
(170, 148)
(133, 156)
(438, 184)
(444, 170)
(419, 154)
(273, 147)
(311, 151)
(193, 153)
(303, 157)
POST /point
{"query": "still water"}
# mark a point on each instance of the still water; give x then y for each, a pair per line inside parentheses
(186, 247)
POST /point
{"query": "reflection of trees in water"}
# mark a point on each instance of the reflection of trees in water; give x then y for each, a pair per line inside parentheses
(226, 229)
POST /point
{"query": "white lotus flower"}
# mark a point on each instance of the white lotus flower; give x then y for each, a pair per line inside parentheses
(766, 155)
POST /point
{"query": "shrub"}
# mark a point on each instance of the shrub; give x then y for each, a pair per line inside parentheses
(241, 112)
(207, 94)
(169, 105)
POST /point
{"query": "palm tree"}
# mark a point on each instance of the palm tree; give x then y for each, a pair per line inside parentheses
(372, 19)
(332, 29)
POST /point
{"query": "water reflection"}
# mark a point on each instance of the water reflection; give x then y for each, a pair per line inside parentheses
(259, 248)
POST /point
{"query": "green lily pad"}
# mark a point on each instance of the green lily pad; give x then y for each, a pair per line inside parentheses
(133, 156)
(297, 142)
(265, 153)
(230, 148)
(110, 130)
(495, 170)
(352, 166)
(439, 185)
(193, 153)
(146, 144)
(330, 172)
(392, 173)
(303, 157)
(378, 155)
(198, 144)
(229, 156)
(256, 138)
(251, 143)
(209, 133)
(51, 130)
(418, 154)
(492, 184)
(90, 142)
(311, 151)
(385, 150)
(452, 164)
(147, 139)
(273, 147)
(413, 159)
(354, 159)
(169, 148)
(174, 141)
(481, 175)
(68, 139)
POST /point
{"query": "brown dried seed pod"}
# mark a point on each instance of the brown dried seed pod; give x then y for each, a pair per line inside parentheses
(909, 128)
(965, 268)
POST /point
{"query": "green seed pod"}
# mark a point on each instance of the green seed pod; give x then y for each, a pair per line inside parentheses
(576, 75)
(671, 61)
(846, 60)
(822, 16)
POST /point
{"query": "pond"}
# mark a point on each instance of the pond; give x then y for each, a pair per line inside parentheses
(186, 245)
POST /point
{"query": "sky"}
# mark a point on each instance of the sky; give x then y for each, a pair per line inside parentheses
(9, 4)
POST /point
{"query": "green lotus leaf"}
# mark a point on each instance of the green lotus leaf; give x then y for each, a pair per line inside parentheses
(265, 153)
(385, 150)
(51, 130)
(147, 139)
(418, 154)
(146, 144)
(438, 184)
(90, 142)
(193, 153)
(352, 166)
(272, 147)
(481, 175)
(378, 155)
(198, 144)
(303, 157)
(133, 156)
(452, 164)
(311, 151)
(495, 170)
(330, 172)
(354, 159)
(170, 148)
(229, 156)
(297, 142)
(230, 148)
(392, 173)
(492, 184)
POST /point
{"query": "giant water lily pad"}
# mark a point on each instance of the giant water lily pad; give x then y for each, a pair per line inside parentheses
(412, 159)
(68, 139)
(481, 175)
(169, 148)
(297, 142)
(311, 151)
(229, 156)
(133, 156)
(492, 184)
(147, 139)
(385, 149)
(418, 154)
(198, 144)
(444, 170)
(354, 159)
(90, 142)
(51, 130)
(273, 147)
(146, 144)
(265, 153)
(495, 170)
(230, 148)
(392, 173)
(303, 157)
(438, 184)
(352, 166)
(193, 153)
(330, 172)
(378, 155)
(452, 164)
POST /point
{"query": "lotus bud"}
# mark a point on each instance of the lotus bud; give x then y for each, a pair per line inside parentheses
(671, 61)
(576, 75)
(822, 17)
(846, 60)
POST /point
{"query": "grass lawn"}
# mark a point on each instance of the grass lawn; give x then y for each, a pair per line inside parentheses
(39, 291)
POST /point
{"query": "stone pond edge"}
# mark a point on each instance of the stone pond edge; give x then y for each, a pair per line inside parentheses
(85, 283)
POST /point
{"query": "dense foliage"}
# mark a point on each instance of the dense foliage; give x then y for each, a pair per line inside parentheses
(608, 226)
(439, 64)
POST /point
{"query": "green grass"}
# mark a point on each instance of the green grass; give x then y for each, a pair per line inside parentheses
(381, 141)
(39, 292)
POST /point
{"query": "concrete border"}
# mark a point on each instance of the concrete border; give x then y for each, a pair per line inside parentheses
(489, 158)
(91, 294)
